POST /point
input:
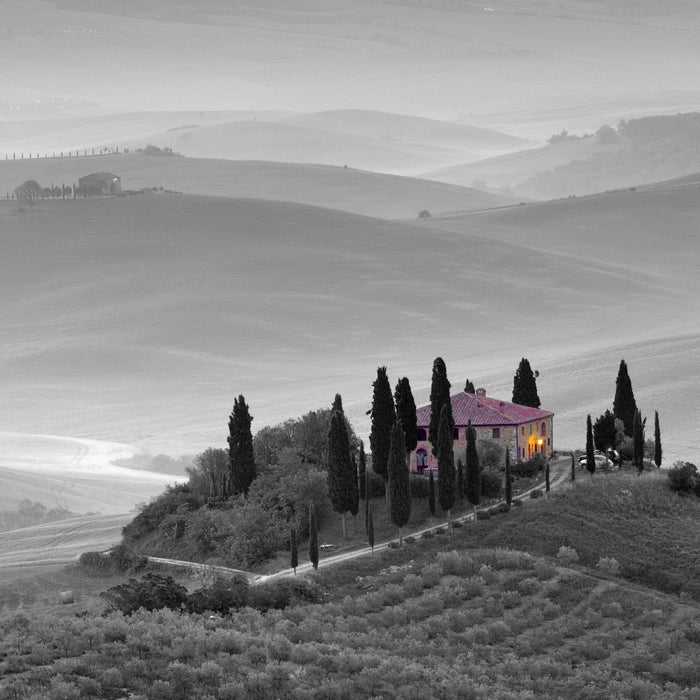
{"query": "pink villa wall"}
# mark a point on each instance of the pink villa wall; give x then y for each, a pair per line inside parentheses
(521, 441)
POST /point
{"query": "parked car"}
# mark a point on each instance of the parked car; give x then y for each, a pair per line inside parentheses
(599, 457)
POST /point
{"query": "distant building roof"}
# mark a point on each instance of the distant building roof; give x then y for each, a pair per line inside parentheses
(100, 176)
(482, 410)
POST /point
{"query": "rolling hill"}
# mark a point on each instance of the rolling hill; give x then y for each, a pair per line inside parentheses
(138, 319)
(361, 192)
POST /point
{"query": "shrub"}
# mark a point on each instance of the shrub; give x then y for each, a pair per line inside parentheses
(419, 486)
(482, 515)
(491, 484)
(427, 535)
(516, 502)
(528, 586)
(567, 555)
(455, 563)
(536, 493)
(220, 597)
(457, 524)
(393, 544)
(152, 592)
(431, 575)
(683, 476)
(531, 468)
(409, 540)
(608, 565)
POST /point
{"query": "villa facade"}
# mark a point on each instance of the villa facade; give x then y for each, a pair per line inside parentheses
(522, 430)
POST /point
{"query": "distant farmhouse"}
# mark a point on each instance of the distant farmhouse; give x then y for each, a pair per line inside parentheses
(97, 184)
(524, 431)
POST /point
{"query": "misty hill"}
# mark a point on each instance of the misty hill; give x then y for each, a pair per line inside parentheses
(171, 305)
(374, 194)
(638, 151)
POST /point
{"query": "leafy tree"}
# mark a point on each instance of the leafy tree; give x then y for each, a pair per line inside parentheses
(29, 191)
(490, 453)
(400, 493)
(406, 414)
(509, 482)
(439, 397)
(341, 470)
(240, 448)
(473, 472)
(590, 453)
(524, 386)
(460, 480)
(657, 440)
(431, 493)
(604, 432)
(209, 475)
(383, 418)
(469, 387)
(313, 536)
(624, 405)
(370, 525)
(446, 463)
(638, 442)
(294, 550)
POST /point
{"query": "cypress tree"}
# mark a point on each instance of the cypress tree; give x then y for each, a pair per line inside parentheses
(439, 397)
(469, 387)
(624, 405)
(546, 477)
(473, 470)
(406, 414)
(383, 419)
(638, 442)
(573, 466)
(657, 440)
(313, 536)
(431, 493)
(446, 463)
(240, 448)
(341, 472)
(460, 480)
(399, 487)
(294, 555)
(370, 526)
(524, 386)
(368, 502)
(355, 508)
(362, 468)
(509, 482)
(590, 455)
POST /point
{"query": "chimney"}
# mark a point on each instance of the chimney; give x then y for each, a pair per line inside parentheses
(481, 391)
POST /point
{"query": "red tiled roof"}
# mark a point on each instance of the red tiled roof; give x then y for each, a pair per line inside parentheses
(482, 410)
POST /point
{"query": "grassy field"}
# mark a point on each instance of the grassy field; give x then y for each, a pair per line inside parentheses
(493, 601)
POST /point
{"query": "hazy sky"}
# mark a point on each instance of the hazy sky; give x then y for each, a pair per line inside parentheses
(531, 63)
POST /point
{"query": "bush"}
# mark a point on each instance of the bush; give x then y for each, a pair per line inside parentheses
(375, 487)
(409, 540)
(491, 484)
(152, 592)
(536, 493)
(683, 476)
(531, 468)
(567, 555)
(220, 597)
(419, 485)
(482, 515)
(608, 565)
(516, 502)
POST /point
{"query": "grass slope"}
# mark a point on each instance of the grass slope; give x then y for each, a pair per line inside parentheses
(361, 192)
(154, 311)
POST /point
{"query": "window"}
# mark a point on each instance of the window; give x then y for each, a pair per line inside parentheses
(421, 434)
(455, 434)
(543, 429)
(549, 441)
(421, 460)
(522, 453)
(522, 430)
(496, 433)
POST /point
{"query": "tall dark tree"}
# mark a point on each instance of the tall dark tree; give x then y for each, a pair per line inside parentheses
(294, 553)
(573, 466)
(469, 387)
(355, 508)
(509, 479)
(370, 525)
(638, 442)
(439, 397)
(460, 480)
(240, 448)
(473, 470)
(341, 471)
(406, 414)
(368, 501)
(657, 440)
(624, 405)
(362, 472)
(546, 477)
(400, 492)
(604, 432)
(446, 464)
(431, 493)
(313, 536)
(524, 386)
(383, 419)
(590, 453)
